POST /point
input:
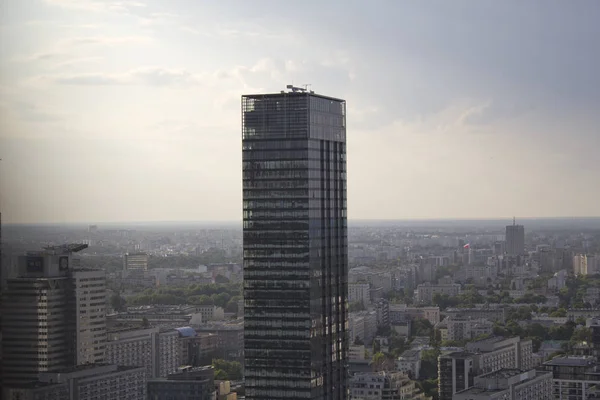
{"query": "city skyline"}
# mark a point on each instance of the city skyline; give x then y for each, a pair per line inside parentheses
(129, 111)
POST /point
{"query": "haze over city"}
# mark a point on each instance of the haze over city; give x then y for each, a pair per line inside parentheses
(130, 111)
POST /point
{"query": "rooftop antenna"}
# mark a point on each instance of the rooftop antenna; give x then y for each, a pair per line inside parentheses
(296, 89)
(514, 221)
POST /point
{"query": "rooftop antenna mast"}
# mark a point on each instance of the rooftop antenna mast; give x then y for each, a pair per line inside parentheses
(296, 89)
(514, 221)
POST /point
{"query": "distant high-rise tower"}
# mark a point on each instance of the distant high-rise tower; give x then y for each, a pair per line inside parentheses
(295, 246)
(515, 239)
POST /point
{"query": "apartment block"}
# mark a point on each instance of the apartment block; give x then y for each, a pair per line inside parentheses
(90, 312)
(359, 293)
(426, 291)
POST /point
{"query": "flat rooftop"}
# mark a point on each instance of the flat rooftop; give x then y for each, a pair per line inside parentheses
(459, 354)
(503, 373)
(571, 361)
(290, 94)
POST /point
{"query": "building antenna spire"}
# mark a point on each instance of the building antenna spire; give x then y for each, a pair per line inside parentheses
(514, 221)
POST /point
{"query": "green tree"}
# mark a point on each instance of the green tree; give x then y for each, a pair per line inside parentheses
(117, 302)
(429, 364)
(145, 322)
(232, 370)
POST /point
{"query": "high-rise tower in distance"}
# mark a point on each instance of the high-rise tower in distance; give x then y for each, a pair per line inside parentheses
(515, 239)
(295, 246)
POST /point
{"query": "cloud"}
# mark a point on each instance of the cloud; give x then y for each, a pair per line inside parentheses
(106, 40)
(120, 7)
(76, 61)
(150, 76)
(29, 112)
(191, 30)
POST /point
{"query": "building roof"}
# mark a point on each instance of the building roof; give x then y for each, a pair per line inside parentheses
(571, 361)
(458, 354)
(186, 331)
(503, 373)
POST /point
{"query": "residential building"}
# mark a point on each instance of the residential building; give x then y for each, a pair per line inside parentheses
(498, 352)
(494, 314)
(509, 384)
(211, 312)
(159, 351)
(573, 377)
(382, 308)
(574, 313)
(359, 293)
(558, 281)
(295, 245)
(409, 362)
(580, 264)
(465, 328)
(169, 351)
(90, 311)
(383, 386)
(84, 382)
(426, 291)
(133, 347)
(515, 240)
(187, 384)
(135, 261)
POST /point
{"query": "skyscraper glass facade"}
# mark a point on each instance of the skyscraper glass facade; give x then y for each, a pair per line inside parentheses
(295, 246)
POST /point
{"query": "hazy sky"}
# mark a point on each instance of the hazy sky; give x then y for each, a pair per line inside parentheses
(130, 111)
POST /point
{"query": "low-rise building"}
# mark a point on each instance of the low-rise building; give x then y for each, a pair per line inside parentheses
(84, 382)
(187, 384)
(409, 363)
(494, 314)
(359, 293)
(383, 386)
(509, 384)
(426, 291)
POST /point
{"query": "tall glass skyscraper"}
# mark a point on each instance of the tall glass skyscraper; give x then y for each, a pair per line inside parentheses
(295, 246)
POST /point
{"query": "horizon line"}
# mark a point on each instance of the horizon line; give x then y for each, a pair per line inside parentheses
(353, 220)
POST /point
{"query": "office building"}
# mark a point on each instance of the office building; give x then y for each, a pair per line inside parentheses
(515, 239)
(90, 312)
(187, 384)
(509, 384)
(135, 262)
(573, 378)
(295, 245)
(85, 382)
(38, 316)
